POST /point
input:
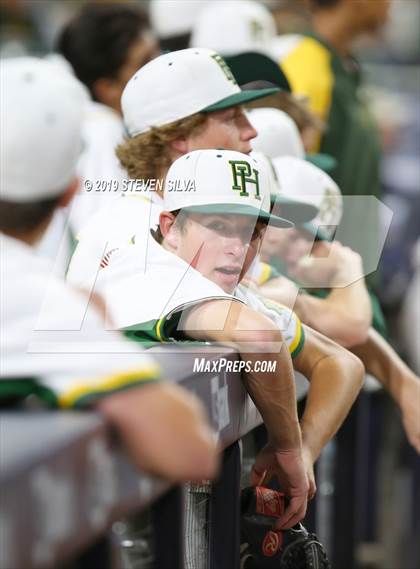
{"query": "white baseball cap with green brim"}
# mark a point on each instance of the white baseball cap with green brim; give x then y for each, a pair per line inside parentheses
(304, 181)
(179, 84)
(298, 211)
(234, 26)
(220, 182)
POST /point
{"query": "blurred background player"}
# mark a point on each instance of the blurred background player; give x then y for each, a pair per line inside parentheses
(321, 67)
(105, 45)
(41, 115)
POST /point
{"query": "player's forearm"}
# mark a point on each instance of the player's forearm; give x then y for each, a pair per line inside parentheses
(335, 316)
(256, 338)
(335, 383)
(352, 299)
(275, 397)
(381, 361)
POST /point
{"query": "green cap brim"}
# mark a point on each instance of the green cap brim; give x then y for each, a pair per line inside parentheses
(238, 209)
(240, 98)
(314, 231)
(326, 162)
(253, 66)
(297, 211)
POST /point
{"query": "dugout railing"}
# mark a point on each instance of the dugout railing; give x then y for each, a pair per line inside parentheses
(65, 482)
(64, 479)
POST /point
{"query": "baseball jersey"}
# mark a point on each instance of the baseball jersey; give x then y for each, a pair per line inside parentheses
(111, 228)
(53, 344)
(263, 272)
(146, 295)
(284, 318)
(98, 167)
(331, 84)
(144, 286)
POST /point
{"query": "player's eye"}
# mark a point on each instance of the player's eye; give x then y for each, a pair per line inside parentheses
(218, 226)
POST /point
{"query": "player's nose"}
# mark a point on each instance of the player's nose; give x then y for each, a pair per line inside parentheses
(248, 132)
(236, 247)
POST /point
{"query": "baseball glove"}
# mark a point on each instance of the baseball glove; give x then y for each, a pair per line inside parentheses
(265, 548)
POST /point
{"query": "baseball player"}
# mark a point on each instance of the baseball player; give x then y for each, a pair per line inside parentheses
(278, 135)
(197, 105)
(44, 351)
(104, 45)
(350, 314)
(216, 235)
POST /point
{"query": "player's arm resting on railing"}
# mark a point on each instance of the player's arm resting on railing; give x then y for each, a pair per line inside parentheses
(161, 425)
(345, 315)
(333, 316)
(165, 431)
(336, 377)
(257, 338)
(381, 361)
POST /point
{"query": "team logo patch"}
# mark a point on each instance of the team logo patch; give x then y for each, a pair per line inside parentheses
(257, 30)
(244, 175)
(224, 67)
(329, 208)
(272, 543)
(269, 502)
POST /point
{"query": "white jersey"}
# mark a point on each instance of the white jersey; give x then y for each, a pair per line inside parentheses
(284, 318)
(144, 285)
(98, 168)
(146, 288)
(46, 348)
(111, 228)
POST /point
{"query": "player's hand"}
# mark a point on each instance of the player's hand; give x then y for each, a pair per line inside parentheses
(289, 468)
(309, 468)
(410, 410)
(330, 264)
(164, 430)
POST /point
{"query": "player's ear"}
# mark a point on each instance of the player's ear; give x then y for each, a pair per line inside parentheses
(169, 230)
(179, 146)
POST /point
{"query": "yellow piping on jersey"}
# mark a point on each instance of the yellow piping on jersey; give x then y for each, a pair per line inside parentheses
(110, 383)
(308, 69)
(265, 274)
(298, 335)
(159, 325)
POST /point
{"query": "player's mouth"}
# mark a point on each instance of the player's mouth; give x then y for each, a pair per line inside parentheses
(229, 274)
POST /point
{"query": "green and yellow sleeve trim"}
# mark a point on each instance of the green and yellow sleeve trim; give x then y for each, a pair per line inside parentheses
(268, 272)
(299, 339)
(85, 393)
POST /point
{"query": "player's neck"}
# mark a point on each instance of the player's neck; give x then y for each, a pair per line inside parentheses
(31, 237)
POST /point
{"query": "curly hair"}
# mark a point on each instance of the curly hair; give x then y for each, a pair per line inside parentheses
(145, 155)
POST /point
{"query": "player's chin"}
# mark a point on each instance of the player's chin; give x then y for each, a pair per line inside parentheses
(227, 283)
